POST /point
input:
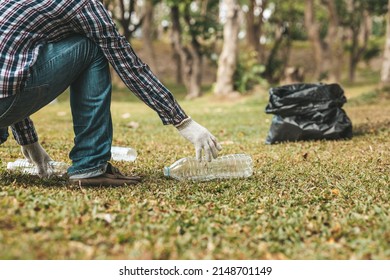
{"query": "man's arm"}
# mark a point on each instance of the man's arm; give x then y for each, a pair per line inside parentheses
(24, 132)
(94, 22)
(26, 136)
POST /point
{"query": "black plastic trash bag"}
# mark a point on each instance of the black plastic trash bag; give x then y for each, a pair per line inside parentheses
(307, 112)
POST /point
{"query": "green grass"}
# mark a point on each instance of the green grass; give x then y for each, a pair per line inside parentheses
(306, 200)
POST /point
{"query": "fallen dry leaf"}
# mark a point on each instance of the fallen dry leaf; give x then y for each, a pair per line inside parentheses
(226, 143)
(133, 125)
(335, 191)
(126, 115)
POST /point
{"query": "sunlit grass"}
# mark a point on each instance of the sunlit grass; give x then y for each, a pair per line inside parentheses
(306, 200)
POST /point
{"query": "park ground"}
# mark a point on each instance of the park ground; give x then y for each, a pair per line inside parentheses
(305, 200)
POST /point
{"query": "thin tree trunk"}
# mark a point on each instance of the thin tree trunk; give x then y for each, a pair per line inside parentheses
(177, 61)
(314, 37)
(127, 8)
(360, 29)
(177, 42)
(147, 32)
(195, 56)
(190, 57)
(254, 24)
(353, 61)
(196, 71)
(228, 58)
(124, 20)
(385, 74)
(334, 42)
(251, 27)
(279, 55)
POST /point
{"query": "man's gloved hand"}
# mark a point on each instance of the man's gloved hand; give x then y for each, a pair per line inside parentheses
(35, 154)
(201, 138)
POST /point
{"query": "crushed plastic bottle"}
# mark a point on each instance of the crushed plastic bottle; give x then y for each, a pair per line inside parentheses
(123, 153)
(224, 167)
(23, 165)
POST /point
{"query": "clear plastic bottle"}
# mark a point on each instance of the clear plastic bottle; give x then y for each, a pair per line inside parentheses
(23, 165)
(123, 153)
(224, 167)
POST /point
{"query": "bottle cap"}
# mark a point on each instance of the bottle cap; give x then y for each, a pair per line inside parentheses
(167, 171)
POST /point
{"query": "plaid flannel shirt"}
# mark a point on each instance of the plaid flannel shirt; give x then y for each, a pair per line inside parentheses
(26, 26)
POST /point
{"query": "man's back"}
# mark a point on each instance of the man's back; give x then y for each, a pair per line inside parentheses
(25, 26)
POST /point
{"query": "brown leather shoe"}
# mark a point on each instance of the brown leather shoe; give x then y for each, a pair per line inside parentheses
(112, 177)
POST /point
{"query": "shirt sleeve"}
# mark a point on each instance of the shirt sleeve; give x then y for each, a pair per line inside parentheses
(94, 22)
(24, 132)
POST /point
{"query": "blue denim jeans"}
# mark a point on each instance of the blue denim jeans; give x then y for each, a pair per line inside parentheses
(79, 63)
(3, 134)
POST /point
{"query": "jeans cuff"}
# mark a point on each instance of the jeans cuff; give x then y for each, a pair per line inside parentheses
(88, 173)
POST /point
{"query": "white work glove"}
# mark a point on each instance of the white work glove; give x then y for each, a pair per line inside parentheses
(201, 138)
(35, 154)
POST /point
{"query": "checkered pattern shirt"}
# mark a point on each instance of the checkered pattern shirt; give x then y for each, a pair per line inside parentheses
(26, 26)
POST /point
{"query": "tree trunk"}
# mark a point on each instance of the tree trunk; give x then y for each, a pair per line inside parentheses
(360, 32)
(385, 74)
(147, 33)
(251, 26)
(228, 59)
(125, 17)
(254, 24)
(313, 31)
(190, 57)
(279, 55)
(195, 74)
(177, 61)
(353, 61)
(177, 44)
(195, 57)
(334, 43)
(127, 8)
